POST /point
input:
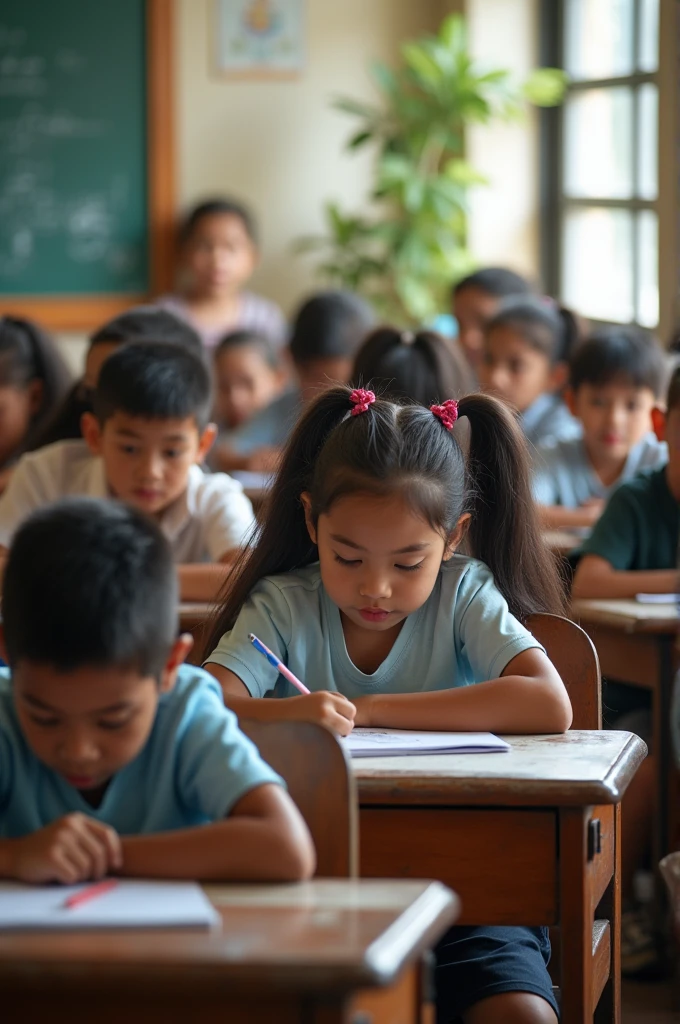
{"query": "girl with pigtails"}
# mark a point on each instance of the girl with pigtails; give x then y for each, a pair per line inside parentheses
(355, 583)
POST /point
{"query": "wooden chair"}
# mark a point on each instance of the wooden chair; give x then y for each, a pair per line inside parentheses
(316, 770)
(574, 656)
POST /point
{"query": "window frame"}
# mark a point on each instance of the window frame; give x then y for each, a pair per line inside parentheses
(554, 203)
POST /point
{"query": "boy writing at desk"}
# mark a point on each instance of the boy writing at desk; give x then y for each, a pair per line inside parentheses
(112, 751)
(144, 444)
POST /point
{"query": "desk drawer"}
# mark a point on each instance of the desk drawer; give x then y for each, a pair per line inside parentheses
(502, 864)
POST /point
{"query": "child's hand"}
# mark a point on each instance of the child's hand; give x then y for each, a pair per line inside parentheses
(72, 849)
(326, 708)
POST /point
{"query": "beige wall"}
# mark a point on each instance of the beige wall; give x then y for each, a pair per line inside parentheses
(276, 144)
(504, 220)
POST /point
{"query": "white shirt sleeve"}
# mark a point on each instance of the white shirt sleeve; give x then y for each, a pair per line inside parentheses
(32, 485)
(226, 515)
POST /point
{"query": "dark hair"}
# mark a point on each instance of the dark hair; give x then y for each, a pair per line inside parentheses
(609, 353)
(249, 339)
(143, 323)
(27, 353)
(90, 582)
(406, 448)
(147, 323)
(330, 325)
(497, 281)
(546, 327)
(423, 366)
(217, 207)
(155, 380)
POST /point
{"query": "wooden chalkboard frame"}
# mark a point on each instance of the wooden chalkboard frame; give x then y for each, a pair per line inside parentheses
(84, 312)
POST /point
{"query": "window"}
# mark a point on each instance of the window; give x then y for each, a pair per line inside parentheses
(600, 239)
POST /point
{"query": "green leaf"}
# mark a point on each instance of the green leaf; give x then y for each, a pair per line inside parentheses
(359, 139)
(452, 33)
(420, 61)
(545, 87)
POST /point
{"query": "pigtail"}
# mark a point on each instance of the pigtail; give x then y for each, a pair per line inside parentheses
(504, 528)
(282, 543)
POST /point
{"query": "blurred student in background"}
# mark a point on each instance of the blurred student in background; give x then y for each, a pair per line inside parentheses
(475, 300)
(142, 323)
(526, 361)
(248, 376)
(33, 382)
(327, 331)
(616, 378)
(422, 367)
(218, 256)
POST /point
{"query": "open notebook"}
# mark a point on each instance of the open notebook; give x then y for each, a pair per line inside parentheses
(386, 742)
(131, 904)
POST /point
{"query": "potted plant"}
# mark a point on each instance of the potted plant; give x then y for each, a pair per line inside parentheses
(405, 255)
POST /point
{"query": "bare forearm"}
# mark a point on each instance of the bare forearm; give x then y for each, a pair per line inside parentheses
(239, 849)
(512, 704)
(226, 459)
(7, 848)
(556, 517)
(590, 582)
(261, 709)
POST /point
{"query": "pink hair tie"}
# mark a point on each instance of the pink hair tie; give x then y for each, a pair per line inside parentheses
(361, 399)
(447, 413)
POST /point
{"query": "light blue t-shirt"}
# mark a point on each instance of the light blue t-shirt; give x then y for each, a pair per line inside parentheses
(195, 766)
(563, 475)
(463, 634)
(547, 420)
(268, 428)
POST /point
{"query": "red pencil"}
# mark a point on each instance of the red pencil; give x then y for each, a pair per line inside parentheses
(90, 893)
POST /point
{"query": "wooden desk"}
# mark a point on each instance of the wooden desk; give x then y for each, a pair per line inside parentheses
(636, 644)
(561, 542)
(285, 953)
(516, 835)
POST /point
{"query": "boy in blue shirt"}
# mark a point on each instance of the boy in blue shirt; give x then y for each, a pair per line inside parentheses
(616, 378)
(112, 751)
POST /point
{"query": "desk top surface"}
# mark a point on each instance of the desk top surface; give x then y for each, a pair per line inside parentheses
(628, 615)
(315, 936)
(576, 769)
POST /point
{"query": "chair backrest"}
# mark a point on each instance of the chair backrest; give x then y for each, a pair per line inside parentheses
(317, 772)
(574, 656)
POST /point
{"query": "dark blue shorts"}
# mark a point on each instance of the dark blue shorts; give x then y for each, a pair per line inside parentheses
(476, 962)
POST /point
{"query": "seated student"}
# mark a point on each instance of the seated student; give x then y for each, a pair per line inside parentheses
(142, 323)
(327, 332)
(475, 300)
(145, 444)
(616, 378)
(115, 757)
(528, 344)
(248, 377)
(354, 581)
(33, 381)
(633, 548)
(422, 366)
(218, 256)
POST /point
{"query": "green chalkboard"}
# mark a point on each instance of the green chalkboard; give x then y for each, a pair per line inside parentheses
(73, 162)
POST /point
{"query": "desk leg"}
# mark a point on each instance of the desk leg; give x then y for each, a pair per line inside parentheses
(608, 1009)
(576, 917)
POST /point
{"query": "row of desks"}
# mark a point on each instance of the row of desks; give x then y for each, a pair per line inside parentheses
(527, 837)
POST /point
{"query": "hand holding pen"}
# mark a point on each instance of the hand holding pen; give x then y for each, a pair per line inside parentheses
(325, 707)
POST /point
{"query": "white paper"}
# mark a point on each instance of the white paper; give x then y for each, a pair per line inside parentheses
(390, 742)
(131, 904)
(657, 598)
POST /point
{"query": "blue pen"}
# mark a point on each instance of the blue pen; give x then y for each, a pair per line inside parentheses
(277, 663)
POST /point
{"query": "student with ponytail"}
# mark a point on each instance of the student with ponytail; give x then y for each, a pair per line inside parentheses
(355, 583)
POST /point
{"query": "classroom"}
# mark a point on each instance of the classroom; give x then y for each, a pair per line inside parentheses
(340, 511)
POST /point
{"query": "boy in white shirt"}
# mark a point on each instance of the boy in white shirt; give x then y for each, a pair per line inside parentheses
(616, 377)
(144, 444)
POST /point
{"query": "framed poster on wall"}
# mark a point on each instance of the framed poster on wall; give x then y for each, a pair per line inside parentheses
(259, 38)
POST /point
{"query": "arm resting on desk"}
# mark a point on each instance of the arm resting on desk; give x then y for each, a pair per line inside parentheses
(597, 578)
(557, 517)
(263, 839)
(529, 698)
